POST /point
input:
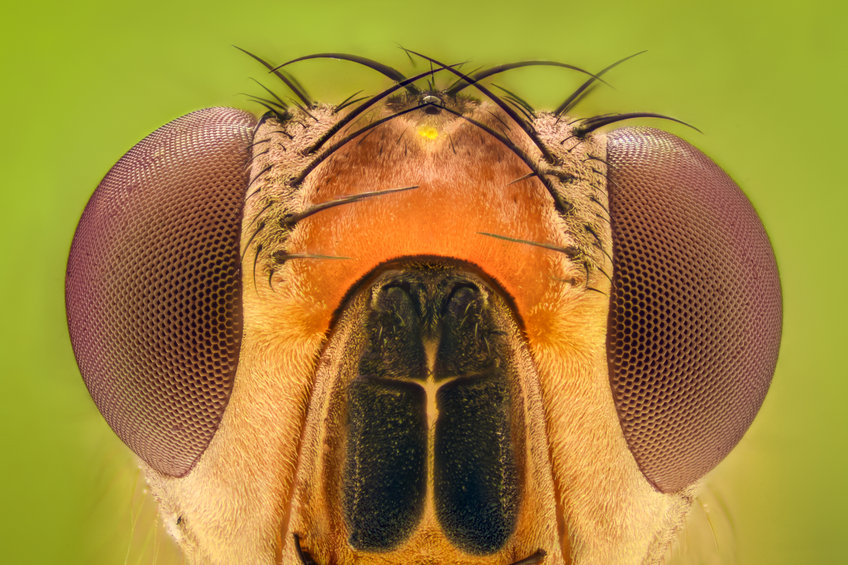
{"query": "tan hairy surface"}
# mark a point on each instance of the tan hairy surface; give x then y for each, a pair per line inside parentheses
(250, 491)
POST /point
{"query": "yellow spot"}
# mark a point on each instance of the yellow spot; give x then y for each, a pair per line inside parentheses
(428, 132)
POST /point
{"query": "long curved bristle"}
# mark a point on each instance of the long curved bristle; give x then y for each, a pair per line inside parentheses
(257, 177)
(350, 116)
(561, 205)
(347, 139)
(259, 227)
(518, 102)
(485, 73)
(386, 70)
(259, 214)
(288, 81)
(591, 124)
(278, 108)
(271, 92)
(528, 129)
(584, 88)
(352, 99)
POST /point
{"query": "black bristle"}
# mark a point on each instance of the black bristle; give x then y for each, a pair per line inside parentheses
(570, 251)
(584, 88)
(589, 125)
(360, 109)
(480, 75)
(386, 70)
(562, 206)
(336, 146)
(528, 129)
(292, 219)
(289, 82)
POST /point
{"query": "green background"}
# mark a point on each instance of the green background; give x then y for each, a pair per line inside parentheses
(82, 82)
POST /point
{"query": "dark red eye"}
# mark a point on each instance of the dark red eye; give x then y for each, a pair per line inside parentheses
(695, 312)
(153, 288)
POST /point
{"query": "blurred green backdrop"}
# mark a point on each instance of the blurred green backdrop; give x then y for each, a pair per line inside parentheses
(83, 82)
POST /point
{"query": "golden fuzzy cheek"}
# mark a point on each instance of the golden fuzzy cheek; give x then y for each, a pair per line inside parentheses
(426, 329)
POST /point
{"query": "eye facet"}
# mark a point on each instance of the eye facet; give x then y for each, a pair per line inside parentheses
(153, 290)
(695, 313)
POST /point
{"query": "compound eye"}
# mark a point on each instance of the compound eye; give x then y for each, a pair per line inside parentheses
(153, 290)
(695, 312)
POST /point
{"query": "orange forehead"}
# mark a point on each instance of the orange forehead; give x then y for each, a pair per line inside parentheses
(468, 183)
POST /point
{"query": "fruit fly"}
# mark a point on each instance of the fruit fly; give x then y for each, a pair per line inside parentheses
(430, 325)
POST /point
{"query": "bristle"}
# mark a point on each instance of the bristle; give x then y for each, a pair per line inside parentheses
(259, 227)
(518, 100)
(289, 82)
(480, 75)
(336, 146)
(584, 88)
(528, 129)
(348, 101)
(292, 219)
(562, 206)
(350, 116)
(386, 70)
(591, 124)
(570, 252)
(269, 91)
(259, 174)
(278, 107)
